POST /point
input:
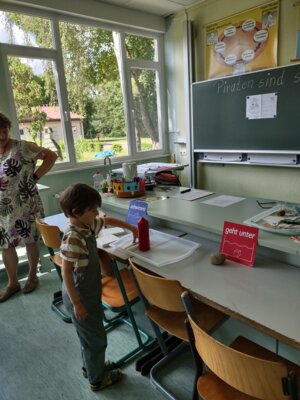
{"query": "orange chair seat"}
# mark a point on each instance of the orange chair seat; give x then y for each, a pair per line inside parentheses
(173, 322)
(111, 293)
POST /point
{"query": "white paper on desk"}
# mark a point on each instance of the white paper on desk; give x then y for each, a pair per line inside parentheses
(164, 248)
(192, 195)
(104, 240)
(112, 231)
(223, 201)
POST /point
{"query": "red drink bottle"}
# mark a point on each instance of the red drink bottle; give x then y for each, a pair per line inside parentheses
(143, 232)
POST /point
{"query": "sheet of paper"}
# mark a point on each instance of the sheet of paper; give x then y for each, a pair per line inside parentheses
(193, 195)
(223, 201)
(253, 107)
(112, 231)
(269, 105)
(104, 240)
(261, 106)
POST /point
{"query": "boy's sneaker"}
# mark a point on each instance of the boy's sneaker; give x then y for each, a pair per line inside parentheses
(109, 378)
(108, 366)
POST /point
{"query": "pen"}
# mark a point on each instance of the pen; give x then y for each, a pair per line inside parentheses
(185, 191)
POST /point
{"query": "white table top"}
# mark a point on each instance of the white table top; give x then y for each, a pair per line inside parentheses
(193, 216)
(42, 187)
(266, 296)
(59, 220)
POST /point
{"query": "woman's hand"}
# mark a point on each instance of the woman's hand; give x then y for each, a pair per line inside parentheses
(80, 311)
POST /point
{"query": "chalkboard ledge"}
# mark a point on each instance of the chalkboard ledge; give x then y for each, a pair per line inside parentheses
(271, 160)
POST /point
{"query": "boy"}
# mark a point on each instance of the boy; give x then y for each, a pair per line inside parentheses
(82, 279)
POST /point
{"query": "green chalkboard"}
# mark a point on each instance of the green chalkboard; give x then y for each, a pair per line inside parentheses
(221, 122)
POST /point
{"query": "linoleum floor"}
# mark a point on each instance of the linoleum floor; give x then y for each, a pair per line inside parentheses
(40, 355)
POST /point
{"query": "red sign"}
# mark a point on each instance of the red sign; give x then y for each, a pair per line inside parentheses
(239, 243)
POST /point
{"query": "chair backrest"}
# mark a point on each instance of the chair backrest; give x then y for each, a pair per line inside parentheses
(253, 376)
(160, 292)
(51, 234)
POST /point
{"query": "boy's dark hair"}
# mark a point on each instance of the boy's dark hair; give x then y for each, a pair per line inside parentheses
(78, 198)
(4, 122)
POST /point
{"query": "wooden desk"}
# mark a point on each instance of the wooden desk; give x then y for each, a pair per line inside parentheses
(58, 220)
(266, 297)
(206, 221)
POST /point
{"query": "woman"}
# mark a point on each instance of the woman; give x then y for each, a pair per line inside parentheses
(20, 204)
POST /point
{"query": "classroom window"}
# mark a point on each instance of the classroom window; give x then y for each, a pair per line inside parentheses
(139, 47)
(145, 110)
(25, 30)
(94, 91)
(37, 121)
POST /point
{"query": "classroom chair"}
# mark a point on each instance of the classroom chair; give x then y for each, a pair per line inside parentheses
(51, 236)
(241, 371)
(165, 311)
(119, 294)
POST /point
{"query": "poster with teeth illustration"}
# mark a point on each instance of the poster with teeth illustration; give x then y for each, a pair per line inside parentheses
(243, 42)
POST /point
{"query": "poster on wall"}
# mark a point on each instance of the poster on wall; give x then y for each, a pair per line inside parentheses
(243, 42)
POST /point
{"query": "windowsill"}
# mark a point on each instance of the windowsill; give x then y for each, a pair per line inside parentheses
(98, 165)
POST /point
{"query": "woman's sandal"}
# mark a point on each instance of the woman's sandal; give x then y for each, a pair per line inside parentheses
(30, 285)
(8, 292)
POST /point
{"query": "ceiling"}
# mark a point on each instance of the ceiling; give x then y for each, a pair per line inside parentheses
(157, 7)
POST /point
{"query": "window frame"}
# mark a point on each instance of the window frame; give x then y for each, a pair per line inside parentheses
(55, 54)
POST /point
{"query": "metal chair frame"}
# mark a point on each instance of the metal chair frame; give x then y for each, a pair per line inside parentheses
(169, 292)
(126, 316)
(57, 301)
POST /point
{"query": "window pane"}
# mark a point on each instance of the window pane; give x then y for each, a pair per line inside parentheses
(94, 90)
(144, 91)
(141, 48)
(25, 30)
(36, 103)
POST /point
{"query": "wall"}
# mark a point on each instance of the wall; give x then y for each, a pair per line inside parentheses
(278, 183)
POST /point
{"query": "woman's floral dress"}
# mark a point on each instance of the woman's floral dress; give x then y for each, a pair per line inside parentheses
(20, 202)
